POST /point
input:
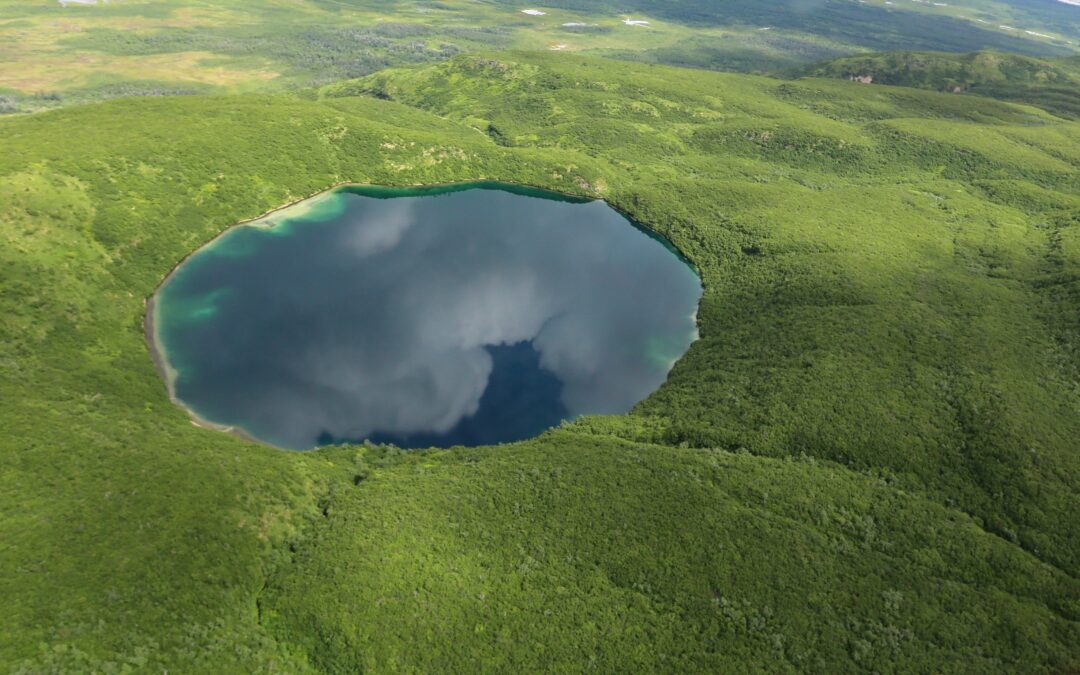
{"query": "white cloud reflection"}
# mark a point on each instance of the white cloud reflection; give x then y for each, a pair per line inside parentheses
(380, 321)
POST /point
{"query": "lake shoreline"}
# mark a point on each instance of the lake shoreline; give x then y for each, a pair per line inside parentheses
(150, 320)
(168, 374)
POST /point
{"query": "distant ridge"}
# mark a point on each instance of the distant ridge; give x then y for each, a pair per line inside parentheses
(1051, 84)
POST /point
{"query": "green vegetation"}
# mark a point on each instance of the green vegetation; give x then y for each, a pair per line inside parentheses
(58, 55)
(562, 555)
(868, 461)
(1050, 85)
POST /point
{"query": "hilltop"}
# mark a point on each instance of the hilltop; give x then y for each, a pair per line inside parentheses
(1053, 85)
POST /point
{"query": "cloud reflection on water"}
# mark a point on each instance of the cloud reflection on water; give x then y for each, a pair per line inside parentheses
(384, 320)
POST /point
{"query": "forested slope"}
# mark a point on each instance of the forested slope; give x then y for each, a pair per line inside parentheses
(861, 216)
(868, 461)
(1053, 85)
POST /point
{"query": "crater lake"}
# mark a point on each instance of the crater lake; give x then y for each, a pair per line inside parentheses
(466, 314)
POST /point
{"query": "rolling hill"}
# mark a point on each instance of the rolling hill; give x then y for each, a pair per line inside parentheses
(1053, 85)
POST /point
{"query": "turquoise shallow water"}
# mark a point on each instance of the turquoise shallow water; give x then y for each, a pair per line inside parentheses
(456, 315)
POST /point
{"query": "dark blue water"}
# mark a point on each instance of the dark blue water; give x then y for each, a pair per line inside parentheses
(460, 315)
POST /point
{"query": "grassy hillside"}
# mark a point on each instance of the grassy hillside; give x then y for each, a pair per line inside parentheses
(1050, 85)
(867, 462)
